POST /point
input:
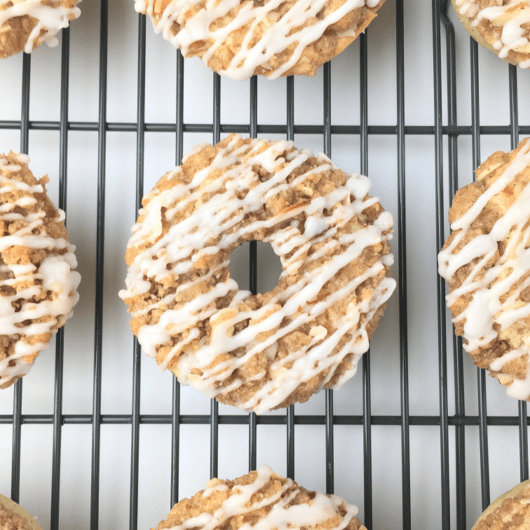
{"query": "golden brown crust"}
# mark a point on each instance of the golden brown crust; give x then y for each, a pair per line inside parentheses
(13, 517)
(16, 30)
(508, 338)
(275, 486)
(510, 511)
(487, 33)
(336, 37)
(37, 244)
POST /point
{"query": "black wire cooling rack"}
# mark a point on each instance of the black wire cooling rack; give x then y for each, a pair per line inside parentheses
(444, 132)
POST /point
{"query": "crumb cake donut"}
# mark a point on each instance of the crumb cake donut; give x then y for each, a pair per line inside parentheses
(510, 511)
(486, 261)
(263, 500)
(14, 517)
(261, 37)
(37, 278)
(502, 26)
(26, 24)
(258, 352)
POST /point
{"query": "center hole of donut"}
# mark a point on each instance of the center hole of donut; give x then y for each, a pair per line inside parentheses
(269, 266)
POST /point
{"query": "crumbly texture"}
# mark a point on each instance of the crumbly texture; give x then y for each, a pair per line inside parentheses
(176, 308)
(13, 517)
(511, 511)
(333, 40)
(517, 334)
(16, 30)
(27, 214)
(489, 32)
(272, 494)
(11, 521)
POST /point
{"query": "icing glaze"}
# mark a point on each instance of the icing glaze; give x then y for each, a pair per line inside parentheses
(509, 18)
(218, 219)
(283, 513)
(50, 19)
(23, 311)
(274, 37)
(490, 309)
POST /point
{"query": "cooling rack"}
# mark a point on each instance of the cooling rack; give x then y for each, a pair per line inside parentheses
(96, 438)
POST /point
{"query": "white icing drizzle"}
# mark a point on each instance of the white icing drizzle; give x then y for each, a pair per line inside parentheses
(220, 217)
(486, 308)
(277, 36)
(322, 508)
(512, 36)
(50, 19)
(54, 275)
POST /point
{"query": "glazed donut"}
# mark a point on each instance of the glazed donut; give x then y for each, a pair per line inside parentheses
(26, 24)
(486, 261)
(262, 500)
(13, 517)
(501, 26)
(265, 351)
(255, 37)
(510, 511)
(37, 278)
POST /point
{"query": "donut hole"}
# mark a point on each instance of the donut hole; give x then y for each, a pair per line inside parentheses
(269, 267)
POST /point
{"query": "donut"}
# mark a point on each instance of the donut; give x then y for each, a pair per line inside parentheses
(26, 24)
(37, 278)
(265, 351)
(261, 37)
(262, 500)
(510, 511)
(486, 262)
(13, 517)
(501, 26)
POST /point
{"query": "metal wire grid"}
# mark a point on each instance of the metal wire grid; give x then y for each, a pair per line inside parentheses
(451, 131)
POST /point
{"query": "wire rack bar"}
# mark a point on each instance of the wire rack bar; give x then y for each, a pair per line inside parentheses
(452, 153)
(402, 265)
(367, 393)
(17, 399)
(375, 130)
(175, 416)
(137, 353)
(100, 270)
(205, 419)
(440, 284)
(481, 374)
(175, 423)
(59, 341)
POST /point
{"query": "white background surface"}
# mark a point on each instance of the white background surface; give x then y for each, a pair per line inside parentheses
(120, 214)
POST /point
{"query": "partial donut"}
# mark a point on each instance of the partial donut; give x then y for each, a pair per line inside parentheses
(26, 24)
(486, 261)
(261, 37)
(502, 26)
(264, 500)
(37, 278)
(270, 350)
(14, 517)
(510, 511)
